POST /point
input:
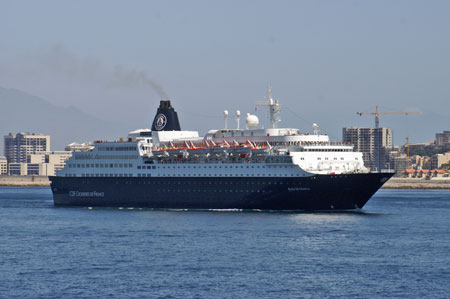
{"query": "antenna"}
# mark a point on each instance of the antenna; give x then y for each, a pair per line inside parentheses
(315, 128)
(269, 94)
(225, 114)
(238, 117)
(274, 108)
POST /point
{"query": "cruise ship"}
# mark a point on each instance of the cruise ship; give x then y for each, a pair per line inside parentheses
(245, 169)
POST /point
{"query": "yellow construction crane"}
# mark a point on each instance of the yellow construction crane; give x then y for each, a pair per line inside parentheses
(378, 113)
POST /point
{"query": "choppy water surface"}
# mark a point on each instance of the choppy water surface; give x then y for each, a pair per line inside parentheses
(398, 247)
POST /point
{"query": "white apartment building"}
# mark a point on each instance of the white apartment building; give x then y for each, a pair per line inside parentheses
(41, 163)
(56, 158)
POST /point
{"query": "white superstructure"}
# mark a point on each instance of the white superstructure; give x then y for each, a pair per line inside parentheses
(250, 152)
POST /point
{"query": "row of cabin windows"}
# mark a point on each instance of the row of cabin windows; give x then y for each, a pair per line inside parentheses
(218, 183)
(326, 158)
(216, 167)
(287, 159)
(111, 165)
(101, 174)
(327, 150)
(204, 167)
(102, 157)
(228, 175)
(172, 175)
(122, 148)
(213, 190)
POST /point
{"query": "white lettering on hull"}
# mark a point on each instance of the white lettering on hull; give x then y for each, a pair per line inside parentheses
(86, 194)
(291, 189)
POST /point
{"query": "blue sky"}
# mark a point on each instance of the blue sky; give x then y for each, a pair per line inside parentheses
(326, 60)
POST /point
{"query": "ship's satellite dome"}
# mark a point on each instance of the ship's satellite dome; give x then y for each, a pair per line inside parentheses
(252, 121)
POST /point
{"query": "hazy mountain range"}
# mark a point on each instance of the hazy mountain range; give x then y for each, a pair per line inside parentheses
(22, 112)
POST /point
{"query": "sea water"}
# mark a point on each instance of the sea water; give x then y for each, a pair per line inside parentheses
(398, 246)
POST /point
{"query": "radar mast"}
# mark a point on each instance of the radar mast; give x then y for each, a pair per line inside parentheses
(274, 108)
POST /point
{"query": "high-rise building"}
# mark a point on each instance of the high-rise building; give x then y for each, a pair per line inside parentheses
(18, 146)
(29, 154)
(374, 143)
(443, 138)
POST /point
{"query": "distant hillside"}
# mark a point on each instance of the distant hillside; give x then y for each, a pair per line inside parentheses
(22, 112)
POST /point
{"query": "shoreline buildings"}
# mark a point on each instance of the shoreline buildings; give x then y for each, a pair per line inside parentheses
(439, 159)
(3, 165)
(29, 154)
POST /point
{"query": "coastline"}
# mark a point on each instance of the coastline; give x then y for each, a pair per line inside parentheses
(413, 183)
(393, 183)
(24, 181)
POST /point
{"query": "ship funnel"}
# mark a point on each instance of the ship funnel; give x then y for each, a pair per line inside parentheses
(166, 118)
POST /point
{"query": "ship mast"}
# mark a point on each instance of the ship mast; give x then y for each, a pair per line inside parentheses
(274, 108)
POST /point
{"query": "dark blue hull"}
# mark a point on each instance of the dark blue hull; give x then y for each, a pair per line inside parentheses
(320, 192)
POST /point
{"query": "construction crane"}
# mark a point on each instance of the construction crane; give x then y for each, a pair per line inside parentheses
(377, 114)
(407, 147)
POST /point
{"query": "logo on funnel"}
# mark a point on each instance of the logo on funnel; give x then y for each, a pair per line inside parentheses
(160, 121)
